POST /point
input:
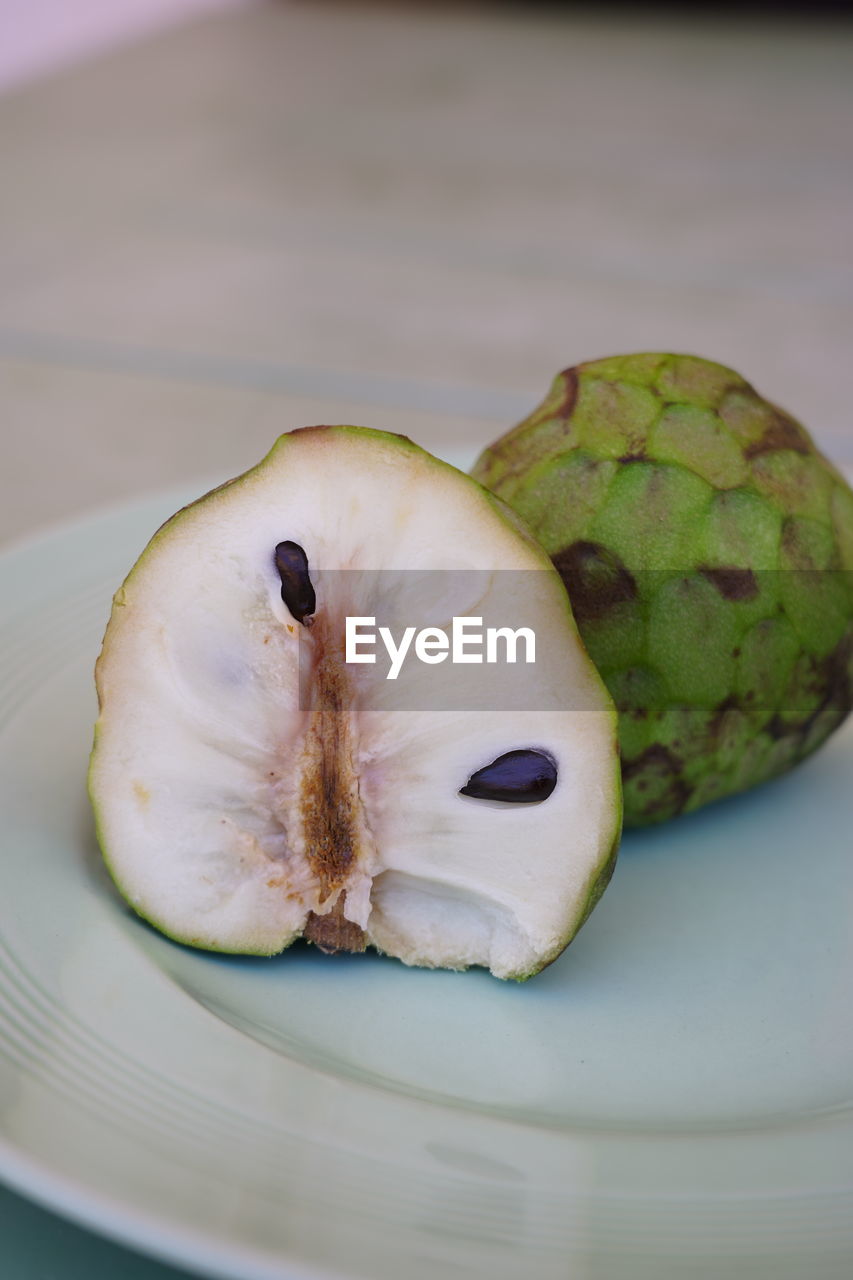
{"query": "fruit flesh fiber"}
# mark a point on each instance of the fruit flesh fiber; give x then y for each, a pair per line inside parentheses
(707, 548)
(236, 814)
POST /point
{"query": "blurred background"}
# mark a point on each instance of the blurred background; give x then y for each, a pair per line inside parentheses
(221, 219)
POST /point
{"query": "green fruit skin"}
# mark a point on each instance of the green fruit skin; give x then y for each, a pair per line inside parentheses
(707, 548)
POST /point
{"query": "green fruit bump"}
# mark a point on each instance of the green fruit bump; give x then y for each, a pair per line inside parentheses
(707, 548)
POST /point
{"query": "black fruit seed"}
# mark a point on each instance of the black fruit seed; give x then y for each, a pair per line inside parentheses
(518, 777)
(296, 589)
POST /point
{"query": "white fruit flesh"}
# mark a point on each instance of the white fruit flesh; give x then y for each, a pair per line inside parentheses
(235, 818)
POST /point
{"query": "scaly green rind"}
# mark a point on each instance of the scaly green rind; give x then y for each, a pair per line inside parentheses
(707, 547)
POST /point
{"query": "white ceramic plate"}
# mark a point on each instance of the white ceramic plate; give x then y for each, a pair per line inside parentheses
(671, 1099)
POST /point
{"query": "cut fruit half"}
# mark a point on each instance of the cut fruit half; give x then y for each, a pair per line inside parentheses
(253, 783)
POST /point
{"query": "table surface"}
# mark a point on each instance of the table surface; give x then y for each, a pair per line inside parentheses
(407, 218)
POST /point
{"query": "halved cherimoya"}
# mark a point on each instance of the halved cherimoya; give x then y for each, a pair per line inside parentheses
(252, 786)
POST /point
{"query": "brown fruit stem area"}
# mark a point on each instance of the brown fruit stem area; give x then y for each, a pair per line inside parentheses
(328, 798)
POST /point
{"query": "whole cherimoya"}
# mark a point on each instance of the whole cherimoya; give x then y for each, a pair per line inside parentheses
(252, 785)
(707, 548)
